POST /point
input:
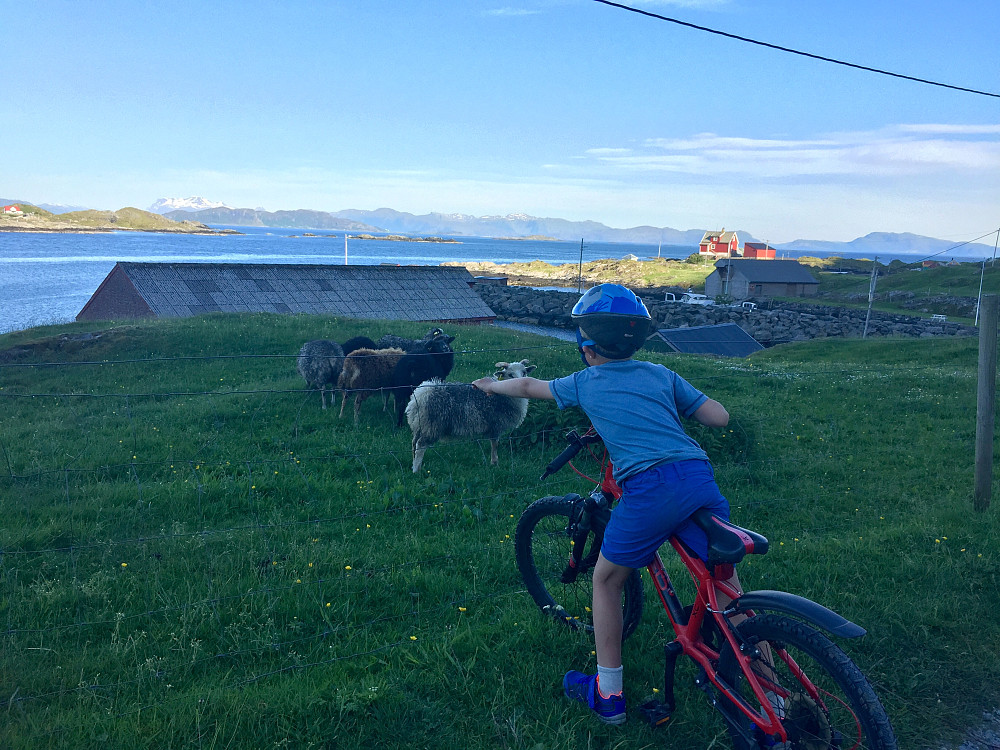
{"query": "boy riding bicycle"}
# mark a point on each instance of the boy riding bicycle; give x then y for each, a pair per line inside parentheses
(636, 408)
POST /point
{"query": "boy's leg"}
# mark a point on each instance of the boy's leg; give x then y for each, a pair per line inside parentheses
(603, 692)
(609, 581)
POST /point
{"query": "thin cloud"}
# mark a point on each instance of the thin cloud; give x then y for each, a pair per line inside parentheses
(508, 12)
(904, 150)
(952, 129)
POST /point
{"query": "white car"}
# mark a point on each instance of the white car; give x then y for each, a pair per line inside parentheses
(696, 299)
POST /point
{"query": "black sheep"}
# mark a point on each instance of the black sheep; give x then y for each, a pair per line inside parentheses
(435, 360)
(358, 342)
(391, 341)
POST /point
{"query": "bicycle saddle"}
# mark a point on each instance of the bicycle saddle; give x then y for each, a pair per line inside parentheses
(727, 542)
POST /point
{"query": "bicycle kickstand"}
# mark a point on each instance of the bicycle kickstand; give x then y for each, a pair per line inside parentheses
(658, 713)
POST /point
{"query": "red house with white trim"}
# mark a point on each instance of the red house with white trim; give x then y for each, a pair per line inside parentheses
(12, 210)
(721, 244)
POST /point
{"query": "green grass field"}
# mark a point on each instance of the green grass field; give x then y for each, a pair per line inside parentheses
(194, 554)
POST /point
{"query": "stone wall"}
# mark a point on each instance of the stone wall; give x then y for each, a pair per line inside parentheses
(771, 323)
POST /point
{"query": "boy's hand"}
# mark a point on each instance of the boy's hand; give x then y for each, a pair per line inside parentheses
(485, 385)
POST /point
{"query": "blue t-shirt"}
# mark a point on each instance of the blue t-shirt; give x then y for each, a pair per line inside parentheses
(636, 408)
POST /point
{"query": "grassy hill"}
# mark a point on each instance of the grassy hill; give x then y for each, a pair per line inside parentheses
(124, 219)
(195, 553)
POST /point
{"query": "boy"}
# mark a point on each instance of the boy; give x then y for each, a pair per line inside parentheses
(665, 476)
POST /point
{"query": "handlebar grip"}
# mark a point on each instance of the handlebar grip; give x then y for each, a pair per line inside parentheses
(562, 459)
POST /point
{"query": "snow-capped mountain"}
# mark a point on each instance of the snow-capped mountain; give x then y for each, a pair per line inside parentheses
(164, 205)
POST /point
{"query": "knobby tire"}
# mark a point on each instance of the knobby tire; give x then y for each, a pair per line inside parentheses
(849, 713)
(542, 549)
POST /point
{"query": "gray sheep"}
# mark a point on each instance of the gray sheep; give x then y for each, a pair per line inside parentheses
(320, 363)
(365, 372)
(438, 410)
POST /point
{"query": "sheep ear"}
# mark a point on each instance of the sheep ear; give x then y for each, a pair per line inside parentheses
(524, 362)
(529, 368)
(501, 365)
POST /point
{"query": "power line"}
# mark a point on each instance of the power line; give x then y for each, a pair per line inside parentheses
(810, 55)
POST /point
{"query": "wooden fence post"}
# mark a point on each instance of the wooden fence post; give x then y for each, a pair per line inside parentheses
(985, 401)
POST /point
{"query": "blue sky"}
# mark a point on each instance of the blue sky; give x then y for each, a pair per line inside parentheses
(556, 108)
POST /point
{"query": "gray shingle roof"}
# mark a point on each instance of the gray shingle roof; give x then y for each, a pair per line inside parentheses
(770, 271)
(419, 293)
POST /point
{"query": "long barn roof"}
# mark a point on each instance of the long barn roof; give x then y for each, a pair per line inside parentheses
(170, 290)
(769, 271)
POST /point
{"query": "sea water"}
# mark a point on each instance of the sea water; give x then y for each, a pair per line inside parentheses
(47, 278)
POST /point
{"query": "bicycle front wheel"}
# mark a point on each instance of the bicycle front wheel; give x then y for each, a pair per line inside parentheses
(822, 698)
(542, 545)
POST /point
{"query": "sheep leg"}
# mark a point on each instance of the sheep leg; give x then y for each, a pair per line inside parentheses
(342, 405)
(418, 453)
(401, 400)
(322, 395)
(357, 408)
(494, 458)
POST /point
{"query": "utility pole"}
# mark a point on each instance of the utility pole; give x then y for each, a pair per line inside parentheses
(985, 403)
(871, 295)
(579, 272)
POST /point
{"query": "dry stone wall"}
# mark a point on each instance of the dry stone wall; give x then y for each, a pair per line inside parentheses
(771, 323)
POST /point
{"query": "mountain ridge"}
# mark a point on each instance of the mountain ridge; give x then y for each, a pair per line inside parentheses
(521, 225)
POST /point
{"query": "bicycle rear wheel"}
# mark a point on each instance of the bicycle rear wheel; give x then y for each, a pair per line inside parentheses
(843, 712)
(542, 546)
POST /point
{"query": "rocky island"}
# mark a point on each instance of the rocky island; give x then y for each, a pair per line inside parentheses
(34, 219)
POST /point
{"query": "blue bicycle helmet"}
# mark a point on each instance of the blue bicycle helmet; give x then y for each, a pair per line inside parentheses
(612, 320)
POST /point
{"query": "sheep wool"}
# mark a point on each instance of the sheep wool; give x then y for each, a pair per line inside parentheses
(365, 373)
(320, 362)
(438, 410)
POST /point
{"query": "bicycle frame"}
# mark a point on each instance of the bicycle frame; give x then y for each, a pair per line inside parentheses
(688, 631)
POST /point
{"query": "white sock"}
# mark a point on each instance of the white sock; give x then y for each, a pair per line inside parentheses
(609, 681)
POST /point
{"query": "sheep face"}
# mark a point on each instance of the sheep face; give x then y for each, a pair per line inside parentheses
(510, 370)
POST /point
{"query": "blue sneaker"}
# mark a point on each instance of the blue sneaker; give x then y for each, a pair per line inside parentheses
(583, 689)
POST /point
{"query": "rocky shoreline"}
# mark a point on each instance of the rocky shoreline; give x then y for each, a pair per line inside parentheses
(771, 323)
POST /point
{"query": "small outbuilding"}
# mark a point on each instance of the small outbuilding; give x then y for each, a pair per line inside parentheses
(740, 278)
(385, 292)
(722, 340)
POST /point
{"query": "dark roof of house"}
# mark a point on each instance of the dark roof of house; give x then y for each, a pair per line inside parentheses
(388, 292)
(722, 235)
(724, 339)
(773, 271)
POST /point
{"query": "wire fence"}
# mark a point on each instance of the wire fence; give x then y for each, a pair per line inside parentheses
(184, 535)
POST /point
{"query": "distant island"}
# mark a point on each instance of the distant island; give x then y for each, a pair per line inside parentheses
(403, 238)
(34, 219)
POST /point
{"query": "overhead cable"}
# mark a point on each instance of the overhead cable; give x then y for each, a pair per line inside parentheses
(795, 51)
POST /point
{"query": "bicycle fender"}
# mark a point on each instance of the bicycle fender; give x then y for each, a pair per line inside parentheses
(792, 604)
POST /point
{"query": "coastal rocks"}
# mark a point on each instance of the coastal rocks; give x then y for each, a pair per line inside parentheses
(770, 324)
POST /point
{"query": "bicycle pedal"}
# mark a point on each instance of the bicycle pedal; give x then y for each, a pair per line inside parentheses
(655, 712)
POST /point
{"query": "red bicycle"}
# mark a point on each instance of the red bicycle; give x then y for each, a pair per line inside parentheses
(762, 660)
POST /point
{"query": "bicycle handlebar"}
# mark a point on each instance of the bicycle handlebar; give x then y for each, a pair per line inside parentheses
(576, 443)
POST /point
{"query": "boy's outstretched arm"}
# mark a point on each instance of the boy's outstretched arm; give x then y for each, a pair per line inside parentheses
(516, 387)
(711, 414)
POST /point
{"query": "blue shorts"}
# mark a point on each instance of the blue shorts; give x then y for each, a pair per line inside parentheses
(657, 503)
